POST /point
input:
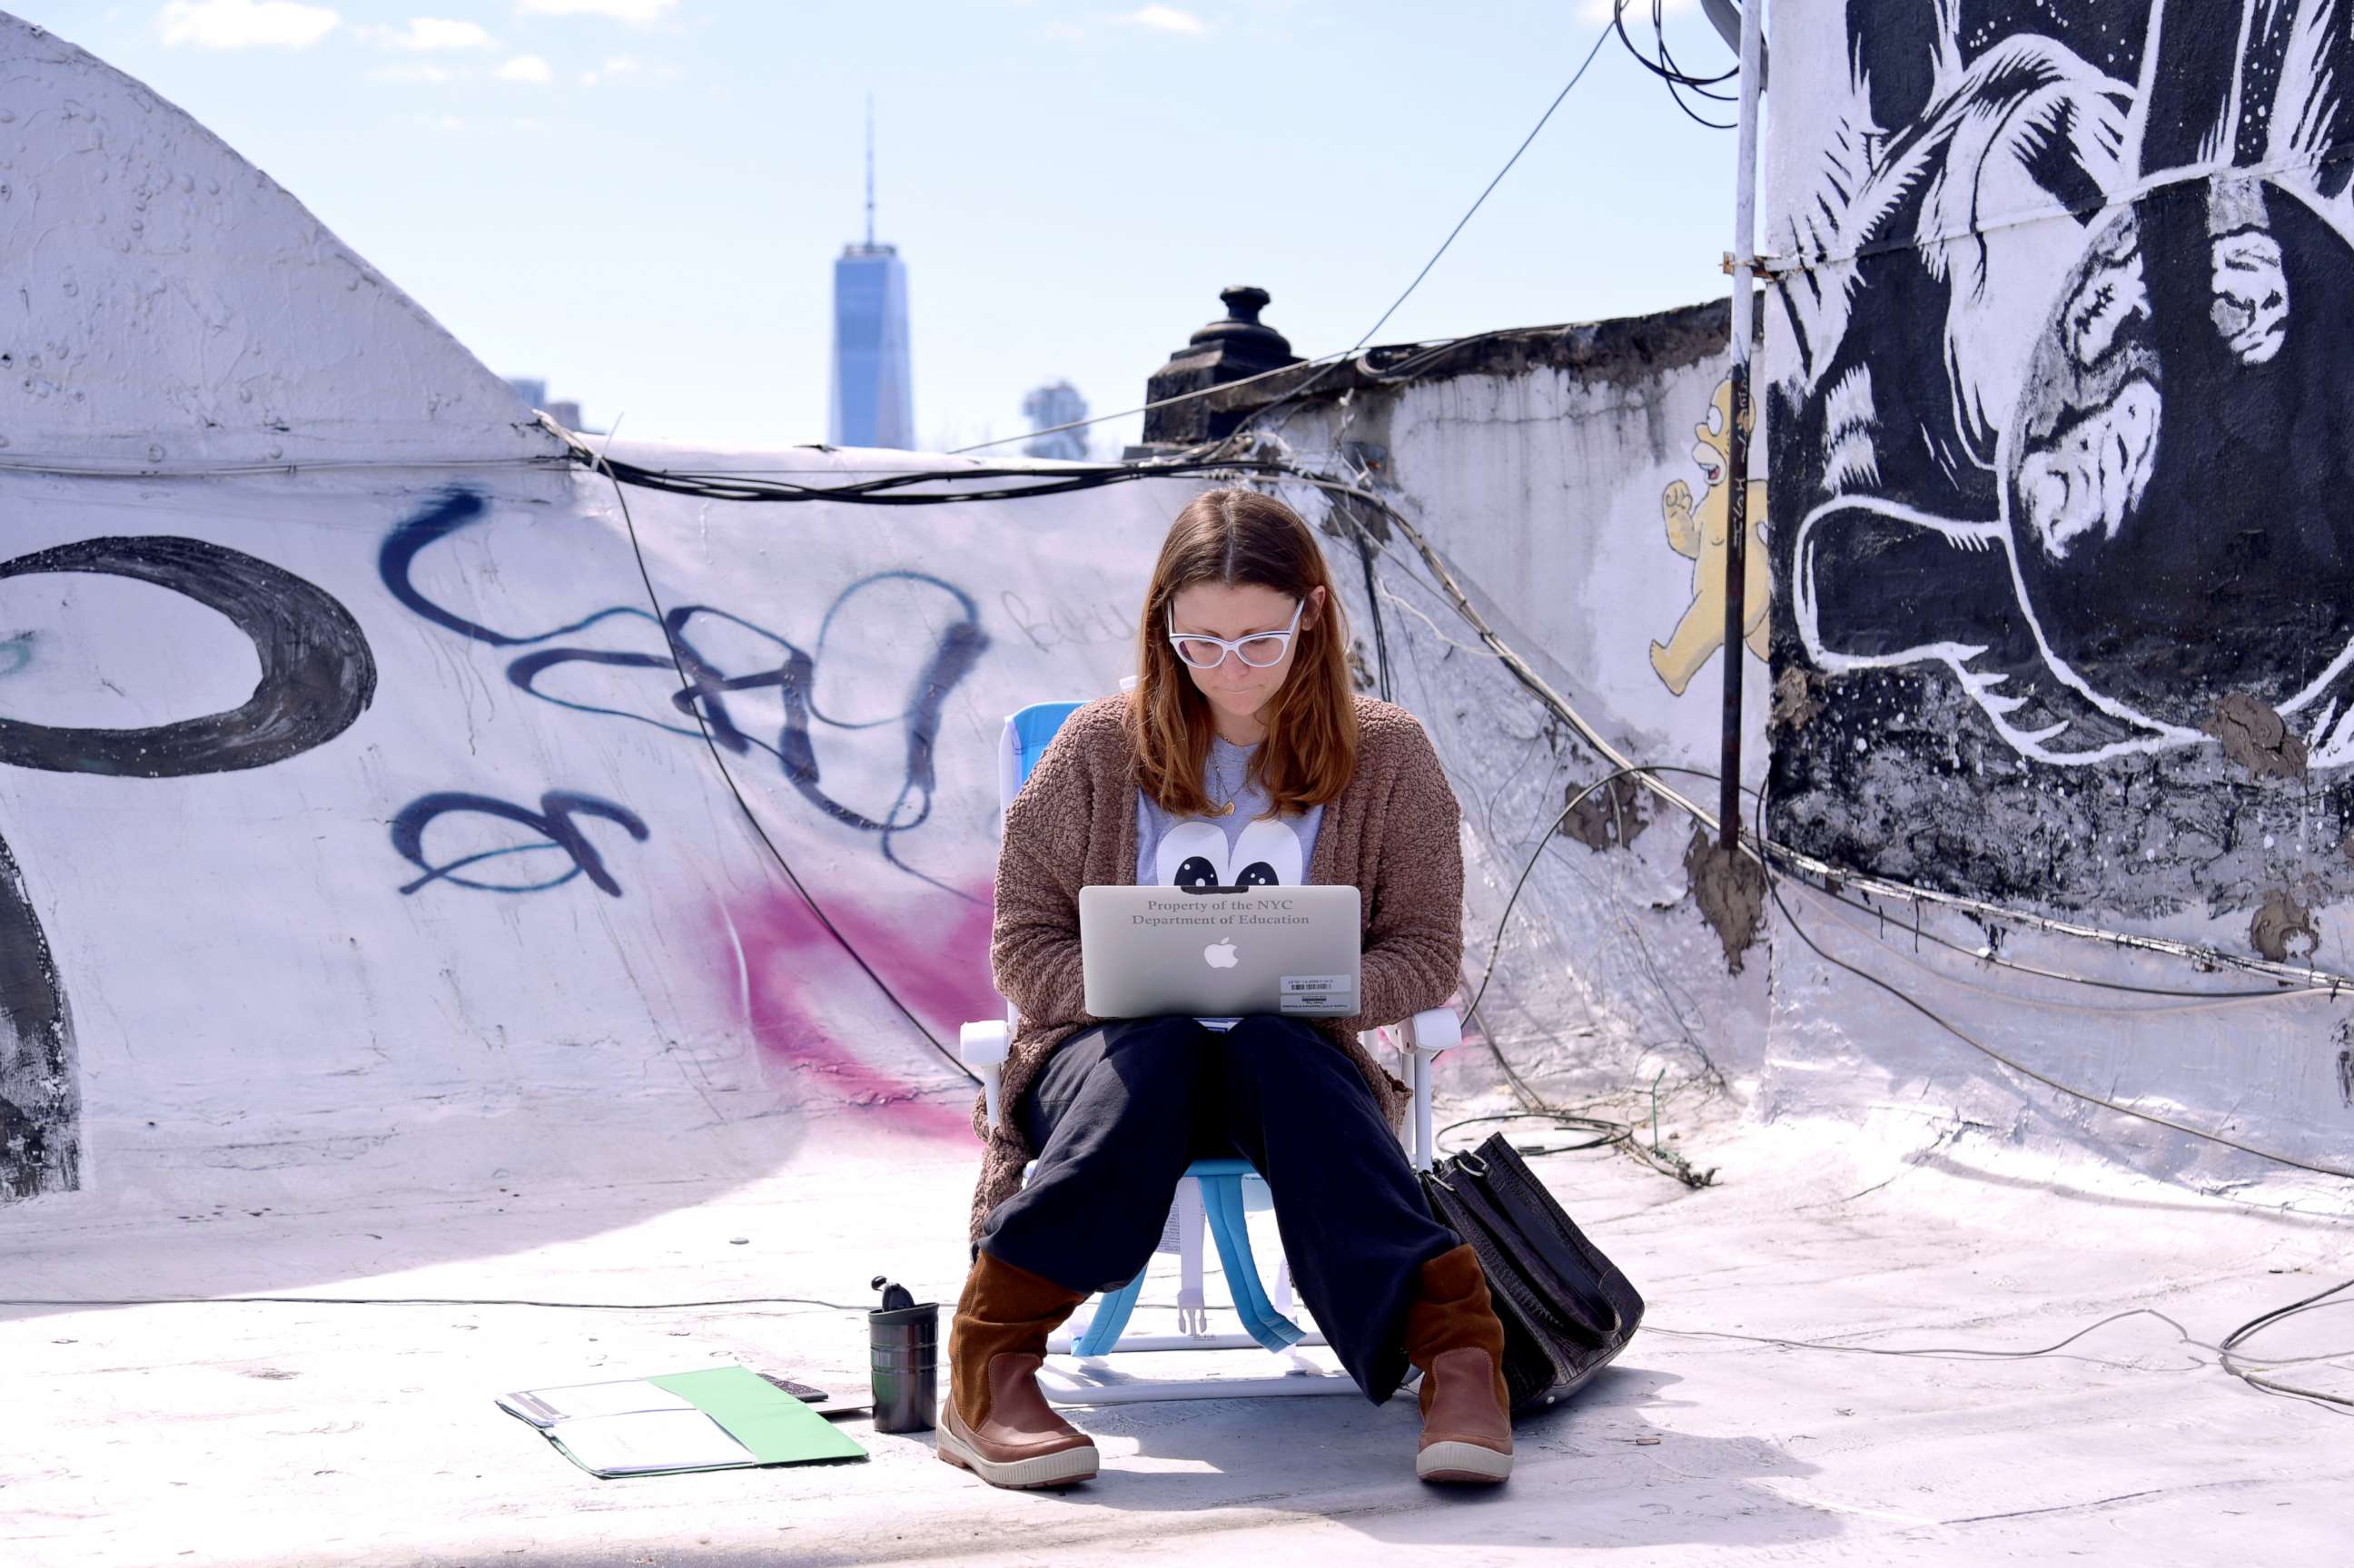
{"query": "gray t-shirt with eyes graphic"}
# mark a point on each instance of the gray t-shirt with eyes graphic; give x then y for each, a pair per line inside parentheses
(1244, 849)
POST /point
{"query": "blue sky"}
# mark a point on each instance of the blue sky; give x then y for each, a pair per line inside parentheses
(640, 199)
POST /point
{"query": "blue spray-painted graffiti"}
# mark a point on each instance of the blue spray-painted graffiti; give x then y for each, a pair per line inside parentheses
(708, 685)
(15, 654)
(552, 822)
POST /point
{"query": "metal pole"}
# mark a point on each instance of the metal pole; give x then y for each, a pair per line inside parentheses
(1737, 473)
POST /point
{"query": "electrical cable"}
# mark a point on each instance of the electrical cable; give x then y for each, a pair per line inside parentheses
(2308, 977)
(1366, 550)
(1613, 1132)
(1704, 86)
(686, 690)
(1326, 362)
(1141, 407)
(1935, 1352)
(1656, 1156)
(1415, 610)
(1934, 1016)
(423, 1301)
(1664, 66)
(1373, 611)
(1545, 840)
(1676, 94)
(1678, 81)
(1365, 553)
(1519, 668)
(1296, 393)
(2336, 1403)
(2181, 999)
(1418, 354)
(891, 487)
(867, 491)
(1641, 771)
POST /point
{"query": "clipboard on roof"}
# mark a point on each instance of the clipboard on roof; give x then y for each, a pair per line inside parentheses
(719, 1419)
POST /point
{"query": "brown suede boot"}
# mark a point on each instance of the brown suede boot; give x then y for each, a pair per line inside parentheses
(1452, 1334)
(994, 1422)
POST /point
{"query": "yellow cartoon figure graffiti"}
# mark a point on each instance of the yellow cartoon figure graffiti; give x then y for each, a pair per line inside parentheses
(1699, 535)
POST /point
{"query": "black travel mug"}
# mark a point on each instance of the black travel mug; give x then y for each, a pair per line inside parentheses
(904, 1343)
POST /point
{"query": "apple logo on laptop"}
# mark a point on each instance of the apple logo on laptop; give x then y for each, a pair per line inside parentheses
(1221, 955)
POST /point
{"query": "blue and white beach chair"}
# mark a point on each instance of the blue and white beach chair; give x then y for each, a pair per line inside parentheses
(1216, 1195)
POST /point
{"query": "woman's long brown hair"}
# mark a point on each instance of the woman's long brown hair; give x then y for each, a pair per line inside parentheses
(1236, 537)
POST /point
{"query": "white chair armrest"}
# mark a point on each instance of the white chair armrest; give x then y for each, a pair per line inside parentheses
(984, 1044)
(1435, 1030)
(983, 1048)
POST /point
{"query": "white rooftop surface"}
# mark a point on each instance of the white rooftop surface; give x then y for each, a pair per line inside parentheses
(269, 1434)
(276, 1061)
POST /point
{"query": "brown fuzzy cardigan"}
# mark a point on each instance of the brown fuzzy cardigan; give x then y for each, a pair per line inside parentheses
(1393, 834)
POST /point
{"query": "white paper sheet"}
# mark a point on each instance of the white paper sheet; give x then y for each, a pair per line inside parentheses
(547, 1406)
(648, 1441)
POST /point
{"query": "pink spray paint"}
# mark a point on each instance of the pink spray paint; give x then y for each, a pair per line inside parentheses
(935, 958)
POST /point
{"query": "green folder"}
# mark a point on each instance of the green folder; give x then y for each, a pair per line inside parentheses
(721, 1418)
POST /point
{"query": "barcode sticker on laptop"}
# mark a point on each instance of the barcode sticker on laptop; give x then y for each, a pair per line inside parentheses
(1325, 995)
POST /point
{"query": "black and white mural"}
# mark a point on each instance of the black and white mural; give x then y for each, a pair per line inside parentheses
(2059, 414)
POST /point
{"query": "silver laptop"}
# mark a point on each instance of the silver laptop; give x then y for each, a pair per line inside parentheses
(1147, 951)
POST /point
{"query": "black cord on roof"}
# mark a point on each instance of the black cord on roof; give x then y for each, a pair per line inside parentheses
(1678, 81)
(2336, 1403)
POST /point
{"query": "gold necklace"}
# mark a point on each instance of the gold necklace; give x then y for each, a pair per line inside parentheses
(1226, 806)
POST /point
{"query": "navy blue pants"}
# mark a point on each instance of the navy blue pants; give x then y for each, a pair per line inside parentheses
(1119, 1111)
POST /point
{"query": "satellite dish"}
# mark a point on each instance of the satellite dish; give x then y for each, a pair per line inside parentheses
(1725, 17)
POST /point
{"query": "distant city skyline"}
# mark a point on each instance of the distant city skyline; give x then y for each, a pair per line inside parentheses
(871, 394)
(1056, 403)
(641, 203)
(565, 411)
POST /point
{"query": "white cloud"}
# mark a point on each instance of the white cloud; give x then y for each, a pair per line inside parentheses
(425, 34)
(244, 24)
(625, 65)
(527, 67)
(412, 73)
(640, 12)
(1594, 12)
(1165, 19)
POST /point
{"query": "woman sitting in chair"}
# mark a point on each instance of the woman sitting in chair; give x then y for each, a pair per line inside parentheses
(1243, 757)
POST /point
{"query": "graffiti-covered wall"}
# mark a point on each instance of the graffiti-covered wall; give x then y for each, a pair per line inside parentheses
(363, 836)
(2064, 548)
(372, 828)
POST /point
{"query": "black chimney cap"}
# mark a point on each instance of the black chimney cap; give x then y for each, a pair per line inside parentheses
(1233, 347)
(1241, 334)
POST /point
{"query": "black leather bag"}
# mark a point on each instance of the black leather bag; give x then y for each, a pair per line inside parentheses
(1566, 1309)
